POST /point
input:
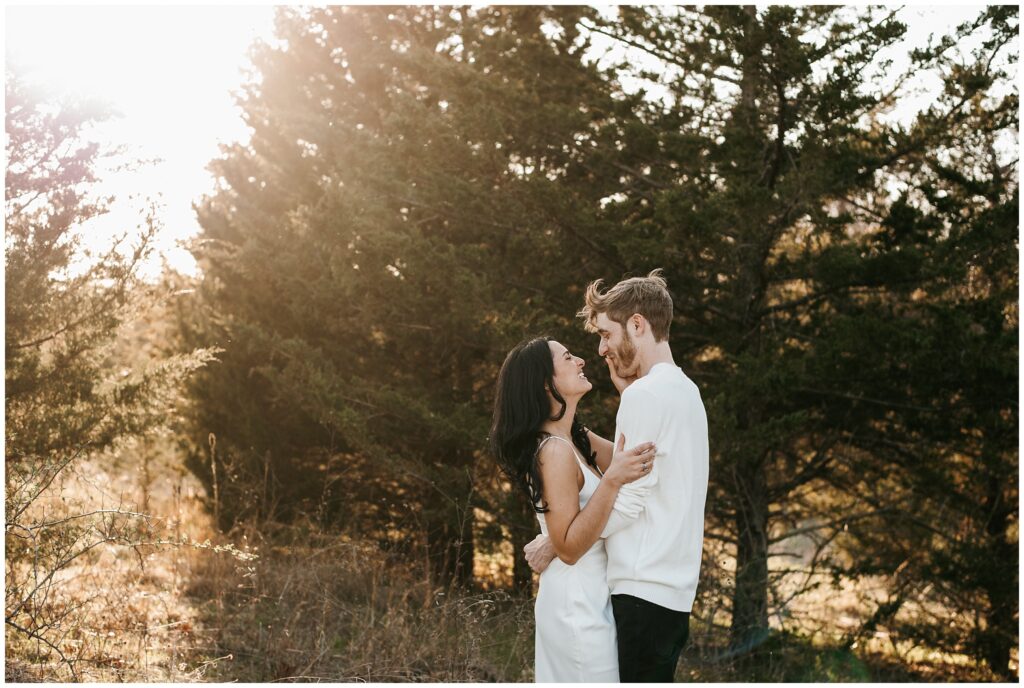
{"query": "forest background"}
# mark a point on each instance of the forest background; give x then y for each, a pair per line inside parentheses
(276, 468)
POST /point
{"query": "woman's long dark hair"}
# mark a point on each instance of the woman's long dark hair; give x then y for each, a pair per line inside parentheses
(521, 406)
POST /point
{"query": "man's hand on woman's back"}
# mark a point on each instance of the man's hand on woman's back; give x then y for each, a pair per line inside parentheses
(539, 553)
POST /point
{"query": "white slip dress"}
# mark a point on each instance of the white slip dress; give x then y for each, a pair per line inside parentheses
(575, 638)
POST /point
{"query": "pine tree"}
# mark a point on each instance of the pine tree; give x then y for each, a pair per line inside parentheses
(946, 478)
(746, 181)
(373, 254)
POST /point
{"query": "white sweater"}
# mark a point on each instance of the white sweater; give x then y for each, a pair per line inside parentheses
(655, 533)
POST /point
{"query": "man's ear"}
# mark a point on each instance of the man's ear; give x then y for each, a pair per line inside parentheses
(639, 322)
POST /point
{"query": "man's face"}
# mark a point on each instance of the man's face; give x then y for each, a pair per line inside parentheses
(617, 346)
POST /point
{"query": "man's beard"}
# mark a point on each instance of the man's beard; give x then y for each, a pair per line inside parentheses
(625, 357)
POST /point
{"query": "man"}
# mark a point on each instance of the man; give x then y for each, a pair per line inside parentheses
(654, 536)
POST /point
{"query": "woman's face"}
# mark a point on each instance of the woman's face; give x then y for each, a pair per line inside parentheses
(569, 378)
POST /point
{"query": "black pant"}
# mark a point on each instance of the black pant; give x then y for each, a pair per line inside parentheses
(650, 639)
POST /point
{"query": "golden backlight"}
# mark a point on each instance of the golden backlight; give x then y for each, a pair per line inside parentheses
(169, 73)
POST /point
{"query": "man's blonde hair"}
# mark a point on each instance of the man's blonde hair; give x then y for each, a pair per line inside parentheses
(647, 296)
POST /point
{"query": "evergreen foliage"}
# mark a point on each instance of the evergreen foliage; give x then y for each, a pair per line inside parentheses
(426, 186)
(765, 187)
(373, 253)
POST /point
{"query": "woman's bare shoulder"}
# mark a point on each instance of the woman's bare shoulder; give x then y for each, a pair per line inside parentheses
(555, 453)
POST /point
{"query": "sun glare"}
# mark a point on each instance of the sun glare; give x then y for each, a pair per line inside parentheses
(168, 73)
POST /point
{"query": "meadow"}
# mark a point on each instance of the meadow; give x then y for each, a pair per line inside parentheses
(268, 602)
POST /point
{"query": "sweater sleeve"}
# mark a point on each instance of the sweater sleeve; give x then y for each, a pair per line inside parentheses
(640, 419)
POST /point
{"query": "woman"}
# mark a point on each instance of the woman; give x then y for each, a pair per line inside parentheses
(545, 451)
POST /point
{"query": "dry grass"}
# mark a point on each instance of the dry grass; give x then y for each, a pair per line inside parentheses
(325, 608)
(816, 633)
(257, 604)
(293, 603)
(124, 615)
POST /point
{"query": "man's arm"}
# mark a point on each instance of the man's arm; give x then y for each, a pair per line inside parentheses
(641, 418)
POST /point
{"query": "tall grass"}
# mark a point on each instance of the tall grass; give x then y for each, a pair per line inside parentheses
(264, 602)
(117, 612)
(272, 602)
(322, 607)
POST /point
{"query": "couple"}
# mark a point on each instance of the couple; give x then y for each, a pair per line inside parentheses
(621, 530)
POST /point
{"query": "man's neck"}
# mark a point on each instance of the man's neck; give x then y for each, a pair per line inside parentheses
(660, 353)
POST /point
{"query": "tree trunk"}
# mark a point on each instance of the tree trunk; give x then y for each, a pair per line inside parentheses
(1001, 632)
(750, 598)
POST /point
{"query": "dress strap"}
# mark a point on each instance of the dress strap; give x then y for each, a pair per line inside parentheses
(544, 441)
(560, 439)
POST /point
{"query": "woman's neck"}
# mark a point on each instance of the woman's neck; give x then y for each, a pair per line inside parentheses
(563, 426)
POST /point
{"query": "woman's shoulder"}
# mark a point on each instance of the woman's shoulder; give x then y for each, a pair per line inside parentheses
(553, 450)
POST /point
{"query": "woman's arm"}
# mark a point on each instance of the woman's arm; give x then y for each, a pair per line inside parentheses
(573, 531)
